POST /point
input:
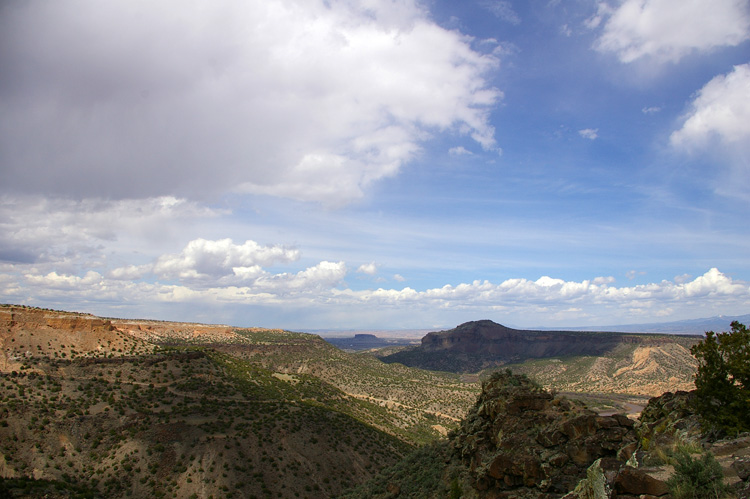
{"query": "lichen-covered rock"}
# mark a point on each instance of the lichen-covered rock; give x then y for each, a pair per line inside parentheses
(598, 482)
(610, 478)
(667, 416)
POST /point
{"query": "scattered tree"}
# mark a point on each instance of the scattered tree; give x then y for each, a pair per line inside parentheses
(723, 380)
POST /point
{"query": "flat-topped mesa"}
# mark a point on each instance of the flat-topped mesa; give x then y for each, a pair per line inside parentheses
(479, 345)
(489, 338)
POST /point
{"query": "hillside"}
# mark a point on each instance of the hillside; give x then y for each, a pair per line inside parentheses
(182, 422)
(638, 364)
(120, 407)
(520, 441)
(104, 407)
(517, 441)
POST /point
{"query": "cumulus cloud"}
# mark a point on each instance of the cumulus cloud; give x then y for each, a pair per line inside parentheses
(681, 279)
(311, 100)
(589, 133)
(717, 125)
(560, 295)
(56, 281)
(320, 290)
(668, 30)
(720, 112)
(324, 276)
(202, 258)
(368, 268)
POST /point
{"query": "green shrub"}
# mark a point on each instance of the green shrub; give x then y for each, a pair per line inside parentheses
(697, 478)
(722, 383)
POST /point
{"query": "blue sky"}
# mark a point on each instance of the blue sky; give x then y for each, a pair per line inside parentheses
(377, 164)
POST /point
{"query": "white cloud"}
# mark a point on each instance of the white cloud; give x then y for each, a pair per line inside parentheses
(651, 110)
(589, 133)
(459, 151)
(558, 294)
(37, 229)
(632, 274)
(603, 10)
(317, 292)
(720, 111)
(130, 272)
(681, 279)
(306, 99)
(667, 30)
(324, 276)
(368, 268)
(399, 278)
(56, 281)
(502, 9)
(202, 258)
(603, 280)
(717, 126)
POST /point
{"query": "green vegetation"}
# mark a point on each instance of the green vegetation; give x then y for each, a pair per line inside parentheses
(418, 475)
(697, 478)
(162, 410)
(165, 424)
(723, 380)
(94, 408)
(25, 487)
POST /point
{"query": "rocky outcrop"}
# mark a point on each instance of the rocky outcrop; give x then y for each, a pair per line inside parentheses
(35, 317)
(27, 332)
(669, 419)
(520, 440)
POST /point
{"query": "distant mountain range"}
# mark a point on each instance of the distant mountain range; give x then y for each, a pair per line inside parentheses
(717, 324)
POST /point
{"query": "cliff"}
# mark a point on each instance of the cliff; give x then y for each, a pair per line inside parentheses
(27, 332)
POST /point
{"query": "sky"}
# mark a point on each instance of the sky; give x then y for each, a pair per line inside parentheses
(376, 164)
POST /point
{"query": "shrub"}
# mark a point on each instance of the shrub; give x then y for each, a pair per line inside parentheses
(697, 478)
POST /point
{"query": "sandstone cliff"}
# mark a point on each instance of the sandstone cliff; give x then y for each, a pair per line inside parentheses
(33, 332)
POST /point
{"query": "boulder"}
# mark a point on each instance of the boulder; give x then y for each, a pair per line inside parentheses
(741, 466)
(635, 482)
